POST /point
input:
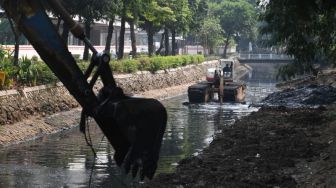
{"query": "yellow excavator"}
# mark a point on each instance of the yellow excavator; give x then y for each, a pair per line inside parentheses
(219, 80)
(133, 126)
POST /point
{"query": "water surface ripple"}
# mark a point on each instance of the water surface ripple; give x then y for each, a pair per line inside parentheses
(64, 159)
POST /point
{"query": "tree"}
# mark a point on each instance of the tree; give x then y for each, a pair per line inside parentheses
(152, 17)
(122, 29)
(110, 16)
(182, 18)
(305, 30)
(133, 18)
(211, 33)
(10, 35)
(237, 17)
(17, 35)
(91, 10)
(72, 9)
(199, 12)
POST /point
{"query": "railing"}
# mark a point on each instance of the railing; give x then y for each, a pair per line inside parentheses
(265, 57)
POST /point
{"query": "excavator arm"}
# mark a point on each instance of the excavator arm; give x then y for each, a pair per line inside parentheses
(133, 126)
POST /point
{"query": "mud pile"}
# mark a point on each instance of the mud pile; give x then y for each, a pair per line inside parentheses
(274, 147)
(308, 95)
(278, 146)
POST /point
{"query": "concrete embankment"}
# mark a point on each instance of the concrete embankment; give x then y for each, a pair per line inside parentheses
(33, 112)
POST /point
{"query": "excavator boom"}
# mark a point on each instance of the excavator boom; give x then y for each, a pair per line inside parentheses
(133, 126)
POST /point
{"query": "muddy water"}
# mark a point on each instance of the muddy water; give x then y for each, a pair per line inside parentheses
(64, 160)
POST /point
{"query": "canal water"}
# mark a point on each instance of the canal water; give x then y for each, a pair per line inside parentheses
(64, 160)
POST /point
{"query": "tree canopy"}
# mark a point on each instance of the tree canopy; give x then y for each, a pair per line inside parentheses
(213, 20)
(237, 18)
(304, 29)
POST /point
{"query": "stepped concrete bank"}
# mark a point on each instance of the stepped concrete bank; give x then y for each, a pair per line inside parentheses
(36, 111)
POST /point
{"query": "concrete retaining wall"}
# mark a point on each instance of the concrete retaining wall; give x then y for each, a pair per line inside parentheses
(17, 105)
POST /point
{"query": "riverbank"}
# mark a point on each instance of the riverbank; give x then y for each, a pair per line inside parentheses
(275, 147)
(34, 112)
(40, 125)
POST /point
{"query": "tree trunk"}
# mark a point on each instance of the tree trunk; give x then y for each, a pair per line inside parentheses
(211, 51)
(133, 39)
(121, 38)
(225, 47)
(88, 34)
(17, 44)
(109, 36)
(158, 51)
(150, 35)
(166, 34)
(173, 42)
(16, 50)
(65, 33)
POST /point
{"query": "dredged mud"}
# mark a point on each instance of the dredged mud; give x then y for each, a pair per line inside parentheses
(278, 146)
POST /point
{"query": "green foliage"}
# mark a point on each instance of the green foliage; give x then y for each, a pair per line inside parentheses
(200, 58)
(29, 72)
(199, 11)
(182, 15)
(237, 18)
(155, 63)
(144, 63)
(83, 65)
(211, 33)
(7, 67)
(303, 29)
(129, 65)
(289, 71)
(153, 15)
(116, 66)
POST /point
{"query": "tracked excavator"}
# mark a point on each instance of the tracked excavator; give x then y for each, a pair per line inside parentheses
(133, 126)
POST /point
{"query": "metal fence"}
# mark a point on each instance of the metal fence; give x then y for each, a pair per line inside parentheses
(265, 57)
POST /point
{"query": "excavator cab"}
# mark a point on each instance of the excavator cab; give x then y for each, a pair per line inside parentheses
(227, 67)
(133, 126)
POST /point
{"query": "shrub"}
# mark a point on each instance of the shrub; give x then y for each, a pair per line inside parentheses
(144, 63)
(33, 71)
(185, 60)
(200, 58)
(116, 66)
(46, 76)
(156, 64)
(83, 65)
(129, 65)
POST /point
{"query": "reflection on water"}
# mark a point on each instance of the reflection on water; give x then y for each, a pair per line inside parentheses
(64, 160)
(61, 160)
(191, 128)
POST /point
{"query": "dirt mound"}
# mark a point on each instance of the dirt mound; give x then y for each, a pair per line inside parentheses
(308, 95)
(261, 150)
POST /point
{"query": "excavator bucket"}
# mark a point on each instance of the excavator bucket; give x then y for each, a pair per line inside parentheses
(135, 127)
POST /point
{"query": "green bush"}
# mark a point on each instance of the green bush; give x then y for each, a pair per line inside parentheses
(144, 63)
(185, 60)
(200, 58)
(30, 72)
(129, 65)
(83, 65)
(6, 66)
(156, 64)
(116, 66)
